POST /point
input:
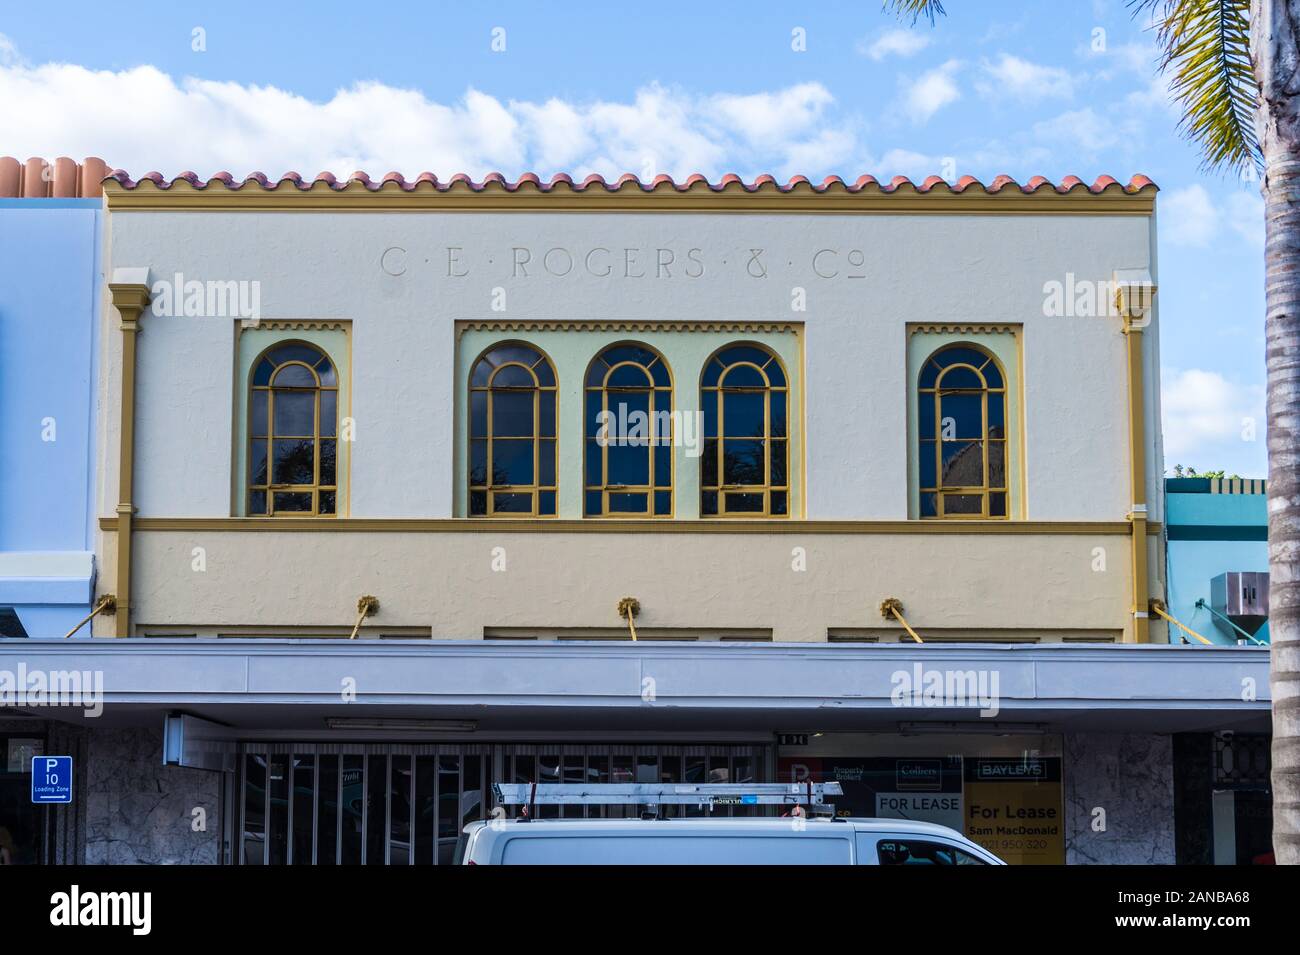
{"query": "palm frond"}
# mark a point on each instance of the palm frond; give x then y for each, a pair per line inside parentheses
(913, 10)
(1205, 48)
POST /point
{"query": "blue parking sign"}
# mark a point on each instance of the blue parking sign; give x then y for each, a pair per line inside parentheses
(51, 779)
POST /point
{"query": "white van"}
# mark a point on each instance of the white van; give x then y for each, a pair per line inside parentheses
(725, 841)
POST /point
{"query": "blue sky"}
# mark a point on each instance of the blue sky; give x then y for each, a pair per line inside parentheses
(1023, 88)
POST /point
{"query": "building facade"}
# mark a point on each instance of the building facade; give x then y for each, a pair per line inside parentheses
(409, 487)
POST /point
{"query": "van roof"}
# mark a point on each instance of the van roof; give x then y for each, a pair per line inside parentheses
(742, 824)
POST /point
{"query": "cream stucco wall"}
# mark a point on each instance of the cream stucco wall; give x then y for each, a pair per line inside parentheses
(404, 279)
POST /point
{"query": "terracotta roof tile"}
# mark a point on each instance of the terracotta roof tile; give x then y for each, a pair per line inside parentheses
(62, 179)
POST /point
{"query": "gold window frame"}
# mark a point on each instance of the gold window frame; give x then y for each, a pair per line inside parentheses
(490, 489)
(986, 489)
(271, 487)
(716, 393)
(654, 443)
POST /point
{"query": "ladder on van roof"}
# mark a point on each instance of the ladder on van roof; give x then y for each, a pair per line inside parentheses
(704, 795)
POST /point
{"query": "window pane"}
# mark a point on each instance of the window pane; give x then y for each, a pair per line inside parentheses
(327, 813)
(477, 502)
(329, 414)
(512, 503)
(293, 376)
(295, 351)
(277, 817)
(663, 466)
(592, 420)
(992, 375)
(478, 462)
(593, 503)
(294, 462)
(966, 412)
(292, 501)
(712, 373)
(399, 811)
(743, 376)
(425, 797)
(963, 503)
(997, 464)
(628, 465)
(478, 414)
(546, 463)
(710, 409)
(376, 809)
(257, 462)
(709, 464)
(627, 503)
(546, 413)
(512, 462)
(749, 353)
(663, 502)
(743, 462)
(960, 377)
(546, 503)
(743, 503)
(925, 414)
(963, 464)
(257, 414)
(257, 502)
(928, 505)
(327, 469)
(774, 374)
(998, 505)
(778, 413)
(594, 458)
(962, 354)
(545, 375)
(709, 502)
(742, 414)
(326, 372)
(512, 413)
(254, 809)
(926, 464)
(295, 412)
(265, 368)
(326, 502)
(482, 372)
(304, 800)
(513, 376)
(997, 414)
(628, 376)
(779, 502)
(778, 464)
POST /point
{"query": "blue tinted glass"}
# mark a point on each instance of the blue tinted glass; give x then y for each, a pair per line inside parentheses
(961, 354)
(636, 353)
(257, 502)
(927, 464)
(709, 502)
(779, 502)
(744, 503)
(546, 503)
(593, 505)
(257, 462)
(928, 506)
(967, 413)
(293, 376)
(742, 414)
(327, 468)
(257, 414)
(620, 503)
(513, 376)
(512, 462)
(743, 376)
(663, 502)
(997, 505)
(774, 374)
(750, 353)
(546, 413)
(592, 418)
(659, 372)
(477, 502)
(778, 464)
(545, 374)
(709, 464)
(997, 464)
(326, 372)
(997, 415)
(710, 410)
(294, 462)
(992, 375)
(329, 415)
(512, 413)
(628, 465)
(295, 352)
(512, 503)
(777, 400)
(960, 377)
(628, 376)
(663, 466)
(546, 463)
(594, 453)
(480, 375)
(712, 373)
(503, 354)
(295, 412)
(262, 376)
(478, 414)
(742, 463)
(925, 414)
(963, 464)
(478, 462)
(929, 374)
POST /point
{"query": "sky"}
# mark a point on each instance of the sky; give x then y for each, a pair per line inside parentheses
(1023, 88)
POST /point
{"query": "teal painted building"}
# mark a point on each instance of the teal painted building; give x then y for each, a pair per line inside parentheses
(1214, 526)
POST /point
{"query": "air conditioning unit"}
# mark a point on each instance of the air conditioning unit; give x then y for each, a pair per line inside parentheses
(1242, 597)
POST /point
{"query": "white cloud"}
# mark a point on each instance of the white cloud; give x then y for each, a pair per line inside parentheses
(8, 52)
(896, 42)
(142, 119)
(1192, 217)
(1010, 77)
(933, 91)
(1208, 419)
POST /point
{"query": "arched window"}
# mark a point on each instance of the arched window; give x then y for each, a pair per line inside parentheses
(962, 427)
(293, 432)
(629, 434)
(744, 469)
(512, 433)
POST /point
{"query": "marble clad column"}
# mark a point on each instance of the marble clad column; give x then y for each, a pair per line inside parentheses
(1130, 776)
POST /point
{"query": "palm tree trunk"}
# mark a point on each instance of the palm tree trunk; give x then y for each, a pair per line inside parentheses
(1275, 31)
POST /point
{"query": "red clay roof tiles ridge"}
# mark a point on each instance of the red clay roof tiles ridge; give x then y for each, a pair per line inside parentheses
(495, 181)
(62, 179)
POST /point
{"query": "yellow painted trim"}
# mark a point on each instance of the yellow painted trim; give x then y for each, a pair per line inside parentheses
(776, 525)
(130, 300)
(494, 197)
(600, 325)
(1137, 481)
